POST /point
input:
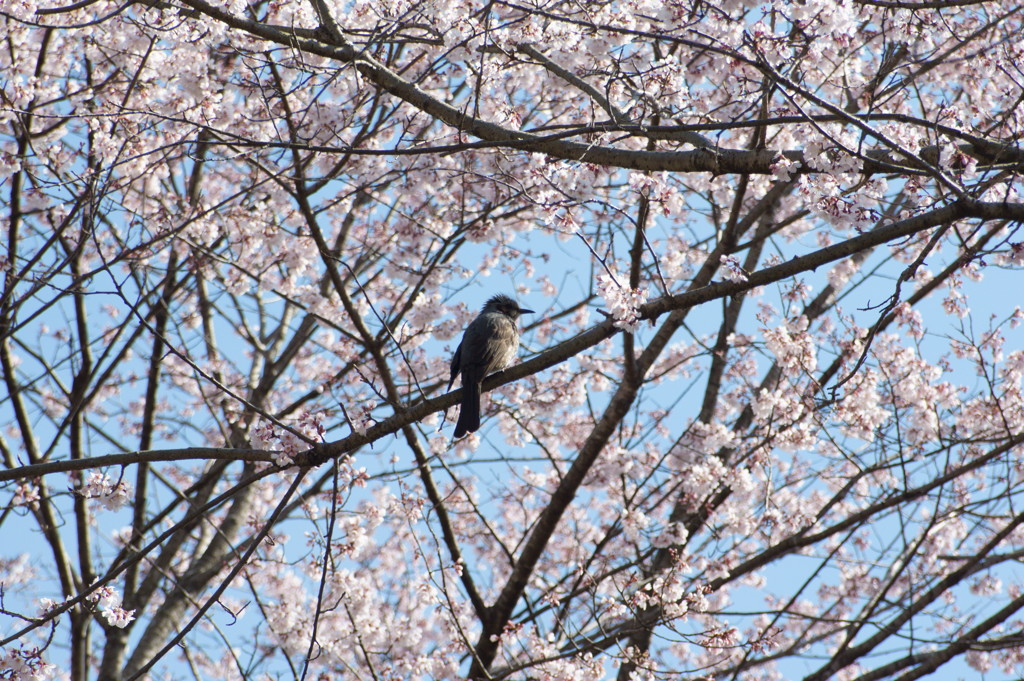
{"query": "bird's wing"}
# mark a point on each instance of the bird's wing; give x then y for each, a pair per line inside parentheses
(456, 366)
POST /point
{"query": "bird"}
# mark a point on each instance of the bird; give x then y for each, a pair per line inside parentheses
(489, 344)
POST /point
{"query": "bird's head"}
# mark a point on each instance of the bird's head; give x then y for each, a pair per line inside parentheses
(506, 305)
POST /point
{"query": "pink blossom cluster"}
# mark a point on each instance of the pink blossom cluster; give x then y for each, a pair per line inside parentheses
(111, 495)
(623, 302)
(25, 664)
(108, 601)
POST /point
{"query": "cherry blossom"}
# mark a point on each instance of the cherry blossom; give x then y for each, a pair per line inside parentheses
(112, 495)
(765, 423)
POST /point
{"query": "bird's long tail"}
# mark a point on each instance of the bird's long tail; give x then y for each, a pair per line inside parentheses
(469, 413)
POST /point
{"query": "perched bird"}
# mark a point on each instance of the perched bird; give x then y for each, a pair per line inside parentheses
(488, 345)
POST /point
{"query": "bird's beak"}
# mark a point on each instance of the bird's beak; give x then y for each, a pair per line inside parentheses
(522, 311)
